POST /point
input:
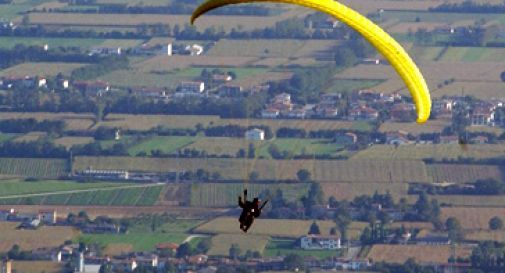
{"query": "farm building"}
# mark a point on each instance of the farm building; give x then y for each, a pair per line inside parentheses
(94, 89)
(48, 216)
(105, 174)
(255, 134)
(149, 50)
(149, 92)
(230, 90)
(319, 242)
(397, 138)
(192, 87)
(402, 111)
(105, 51)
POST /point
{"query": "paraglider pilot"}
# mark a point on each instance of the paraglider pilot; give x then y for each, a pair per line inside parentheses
(250, 210)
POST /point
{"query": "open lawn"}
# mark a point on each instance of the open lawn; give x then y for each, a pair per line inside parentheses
(472, 218)
(33, 167)
(45, 236)
(220, 244)
(225, 194)
(459, 173)
(40, 69)
(265, 227)
(386, 171)
(431, 126)
(421, 253)
(441, 17)
(435, 151)
(164, 144)
(139, 241)
(485, 90)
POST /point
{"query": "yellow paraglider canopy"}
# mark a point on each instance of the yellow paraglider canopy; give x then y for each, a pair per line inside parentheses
(382, 41)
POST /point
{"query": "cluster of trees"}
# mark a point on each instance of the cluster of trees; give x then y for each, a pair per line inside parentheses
(20, 54)
(409, 266)
(488, 257)
(425, 210)
(35, 149)
(31, 124)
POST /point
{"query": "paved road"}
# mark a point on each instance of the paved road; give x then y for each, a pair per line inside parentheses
(193, 236)
(77, 191)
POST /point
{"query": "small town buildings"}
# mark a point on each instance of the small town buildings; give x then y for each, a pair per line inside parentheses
(442, 107)
(270, 113)
(221, 78)
(311, 242)
(363, 113)
(482, 116)
(397, 138)
(150, 92)
(105, 51)
(449, 140)
(93, 89)
(151, 50)
(230, 90)
(255, 134)
(403, 112)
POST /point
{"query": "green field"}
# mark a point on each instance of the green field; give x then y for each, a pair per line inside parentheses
(20, 188)
(299, 146)
(7, 137)
(97, 194)
(220, 244)
(278, 247)
(474, 54)
(33, 167)
(223, 195)
(424, 53)
(140, 241)
(345, 85)
(164, 144)
(441, 17)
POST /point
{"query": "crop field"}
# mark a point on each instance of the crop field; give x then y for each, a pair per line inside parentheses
(322, 170)
(146, 122)
(263, 78)
(265, 227)
(164, 144)
(42, 69)
(434, 72)
(406, 27)
(169, 63)
(472, 218)
(344, 86)
(29, 137)
(307, 125)
(225, 194)
(421, 53)
(72, 121)
(139, 241)
(486, 235)
(421, 253)
(45, 236)
(348, 191)
(439, 17)
(474, 54)
(281, 48)
(116, 249)
(220, 244)
(497, 131)
(10, 42)
(37, 266)
(485, 90)
(368, 6)
(68, 142)
(479, 201)
(463, 173)
(33, 167)
(435, 151)
(431, 126)
(129, 20)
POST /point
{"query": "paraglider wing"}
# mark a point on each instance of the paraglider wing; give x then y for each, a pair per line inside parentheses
(382, 41)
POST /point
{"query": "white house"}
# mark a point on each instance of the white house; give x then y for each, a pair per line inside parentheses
(255, 134)
(320, 242)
